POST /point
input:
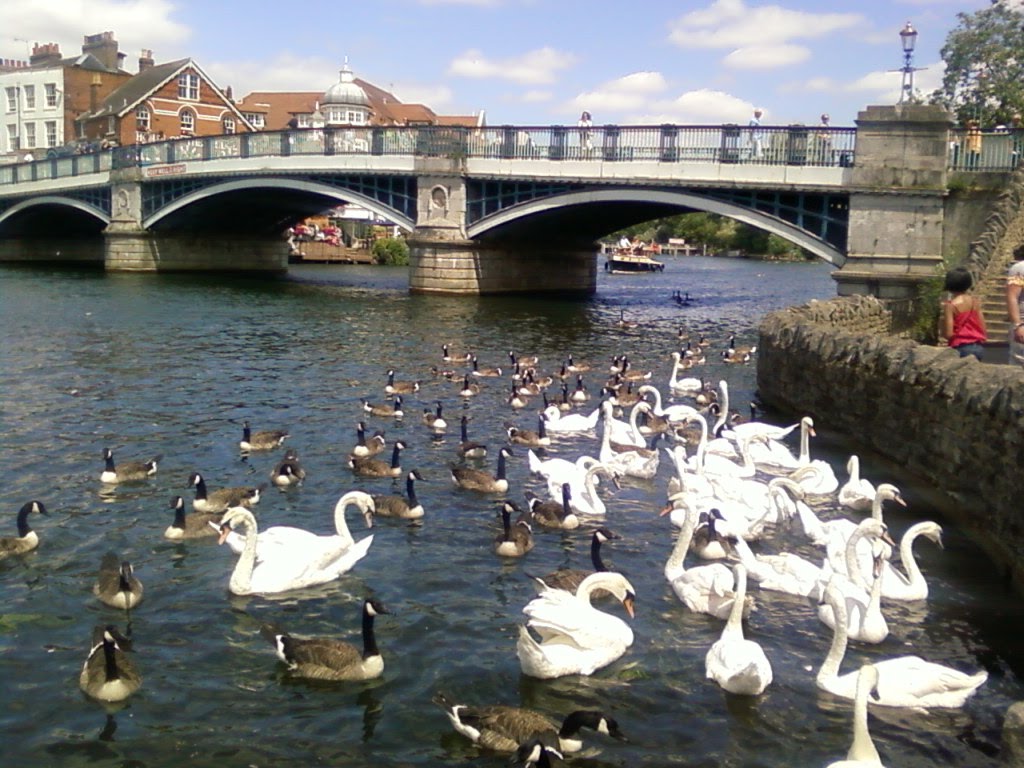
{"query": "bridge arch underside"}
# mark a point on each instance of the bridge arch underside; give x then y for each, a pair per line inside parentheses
(589, 214)
(52, 229)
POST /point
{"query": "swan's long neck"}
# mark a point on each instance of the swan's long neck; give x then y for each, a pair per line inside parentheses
(340, 524)
(830, 667)
(241, 577)
(682, 545)
(634, 429)
(590, 487)
(734, 626)
(853, 570)
(914, 576)
(748, 461)
(863, 748)
(805, 444)
(657, 393)
(876, 509)
(853, 467)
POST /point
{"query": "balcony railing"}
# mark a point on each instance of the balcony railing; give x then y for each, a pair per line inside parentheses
(726, 144)
(985, 150)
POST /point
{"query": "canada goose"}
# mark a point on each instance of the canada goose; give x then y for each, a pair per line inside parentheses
(529, 386)
(515, 539)
(108, 674)
(194, 526)
(407, 507)
(516, 399)
(629, 374)
(26, 540)
(529, 437)
(468, 449)
(365, 447)
(371, 467)
(580, 394)
(400, 387)
(434, 420)
(570, 579)
(455, 357)
(503, 729)
(116, 584)
(288, 472)
(486, 372)
(128, 472)
(574, 367)
(469, 389)
(553, 514)
(478, 480)
(733, 350)
(264, 440)
(527, 361)
(537, 754)
(442, 373)
(222, 498)
(324, 658)
(624, 323)
(390, 411)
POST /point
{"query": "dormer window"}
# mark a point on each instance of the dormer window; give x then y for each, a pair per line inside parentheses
(188, 86)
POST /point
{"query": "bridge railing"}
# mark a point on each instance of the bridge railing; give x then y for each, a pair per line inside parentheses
(729, 144)
(995, 150)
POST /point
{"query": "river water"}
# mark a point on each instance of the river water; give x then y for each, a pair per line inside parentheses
(173, 365)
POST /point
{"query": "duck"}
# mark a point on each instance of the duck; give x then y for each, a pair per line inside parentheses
(575, 637)
(129, 471)
(372, 467)
(570, 579)
(325, 658)
(862, 753)
(264, 440)
(27, 539)
(435, 421)
(108, 675)
(222, 498)
(551, 514)
(407, 507)
(738, 665)
(365, 448)
(393, 411)
(469, 388)
(478, 480)
(515, 539)
(116, 584)
(903, 681)
(184, 526)
(293, 562)
(467, 448)
(503, 728)
(400, 387)
(857, 493)
(532, 438)
(491, 373)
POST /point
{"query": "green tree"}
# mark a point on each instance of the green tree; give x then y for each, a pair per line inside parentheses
(984, 56)
(392, 251)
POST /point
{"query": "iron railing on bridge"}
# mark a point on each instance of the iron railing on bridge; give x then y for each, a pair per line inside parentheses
(727, 144)
(996, 150)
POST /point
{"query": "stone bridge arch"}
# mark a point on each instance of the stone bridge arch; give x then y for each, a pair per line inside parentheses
(85, 212)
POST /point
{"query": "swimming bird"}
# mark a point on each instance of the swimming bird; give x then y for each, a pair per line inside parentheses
(108, 675)
(400, 387)
(570, 579)
(129, 471)
(551, 514)
(530, 437)
(264, 440)
(503, 728)
(537, 754)
(371, 467)
(455, 357)
(515, 539)
(434, 420)
(485, 372)
(288, 472)
(857, 493)
(393, 411)
(863, 753)
(738, 665)
(407, 507)
(324, 658)
(27, 539)
(194, 526)
(467, 448)
(479, 480)
(222, 498)
(364, 447)
(469, 389)
(116, 584)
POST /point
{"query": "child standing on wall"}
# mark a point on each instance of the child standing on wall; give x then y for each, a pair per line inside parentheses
(963, 324)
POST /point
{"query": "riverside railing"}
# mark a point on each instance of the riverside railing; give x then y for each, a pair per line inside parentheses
(726, 144)
(996, 150)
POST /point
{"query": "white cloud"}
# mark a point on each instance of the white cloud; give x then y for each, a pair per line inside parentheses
(766, 56)
(136, 24)
(630, 92)
(700, 107)
(733, 24)
(536, 67)
(885, 86)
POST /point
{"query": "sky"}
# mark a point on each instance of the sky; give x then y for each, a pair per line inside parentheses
(533, 62)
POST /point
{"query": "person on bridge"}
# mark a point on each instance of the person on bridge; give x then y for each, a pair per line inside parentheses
(963, 323)
(584, 124)
(1015, 306)
(756, 135)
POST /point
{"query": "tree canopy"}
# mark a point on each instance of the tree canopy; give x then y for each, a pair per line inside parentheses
(984, 57)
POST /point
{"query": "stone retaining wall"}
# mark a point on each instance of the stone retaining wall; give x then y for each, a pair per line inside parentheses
(952, 421)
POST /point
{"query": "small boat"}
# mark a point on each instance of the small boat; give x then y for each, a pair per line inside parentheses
(621, 262)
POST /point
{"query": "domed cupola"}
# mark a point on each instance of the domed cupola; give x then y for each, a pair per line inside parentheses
(345, 103)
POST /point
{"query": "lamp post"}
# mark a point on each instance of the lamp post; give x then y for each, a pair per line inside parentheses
(908, 39)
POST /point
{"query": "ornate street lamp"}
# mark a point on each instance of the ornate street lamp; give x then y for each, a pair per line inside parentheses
(908, 38)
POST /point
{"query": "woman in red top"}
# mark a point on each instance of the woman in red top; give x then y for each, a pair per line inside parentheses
(963, 323)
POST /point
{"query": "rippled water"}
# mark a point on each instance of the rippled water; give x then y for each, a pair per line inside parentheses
(173, 364)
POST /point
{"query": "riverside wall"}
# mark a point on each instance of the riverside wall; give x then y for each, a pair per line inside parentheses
(954, 422)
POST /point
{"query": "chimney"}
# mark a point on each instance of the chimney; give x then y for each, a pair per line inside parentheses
(228, 94)
(94, 92)
(44, 55)
(104, 47)
(145, 60)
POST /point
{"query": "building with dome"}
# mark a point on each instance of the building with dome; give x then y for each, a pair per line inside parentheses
(345, 102)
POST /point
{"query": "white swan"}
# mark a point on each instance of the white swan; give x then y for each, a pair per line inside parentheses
(570, 423)
(862, 752)
(785, 572)
(738, 665)
(636, 462)
(688, 385)
(905, 681)
(584, 498)
(857, 493)
(865, 620)
(817, 478)
(912, 585)
(557, 470)
(706, 588)
(838, 532)
(624, 432)
(288, 568)
(774, 455)
(575, 637)
(672, 412)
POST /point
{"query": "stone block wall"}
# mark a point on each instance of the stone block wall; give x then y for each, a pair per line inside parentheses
(83, 251)
(955, 422)
(147, 252)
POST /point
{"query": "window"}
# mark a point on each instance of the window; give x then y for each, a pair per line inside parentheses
(188, 86)
(142, 119)
(256, 120)
(51, 133)
(12, 138)
(304, 121)
(111, 124)
(30, 135)
(30, 97)
(12, 99)
(188, 121)
(229, 125)
(51, 94)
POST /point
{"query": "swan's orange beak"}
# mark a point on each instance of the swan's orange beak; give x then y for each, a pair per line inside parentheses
(629, 604)
(224, 531)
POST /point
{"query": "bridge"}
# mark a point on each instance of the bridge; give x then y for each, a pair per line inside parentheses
(508, 208)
